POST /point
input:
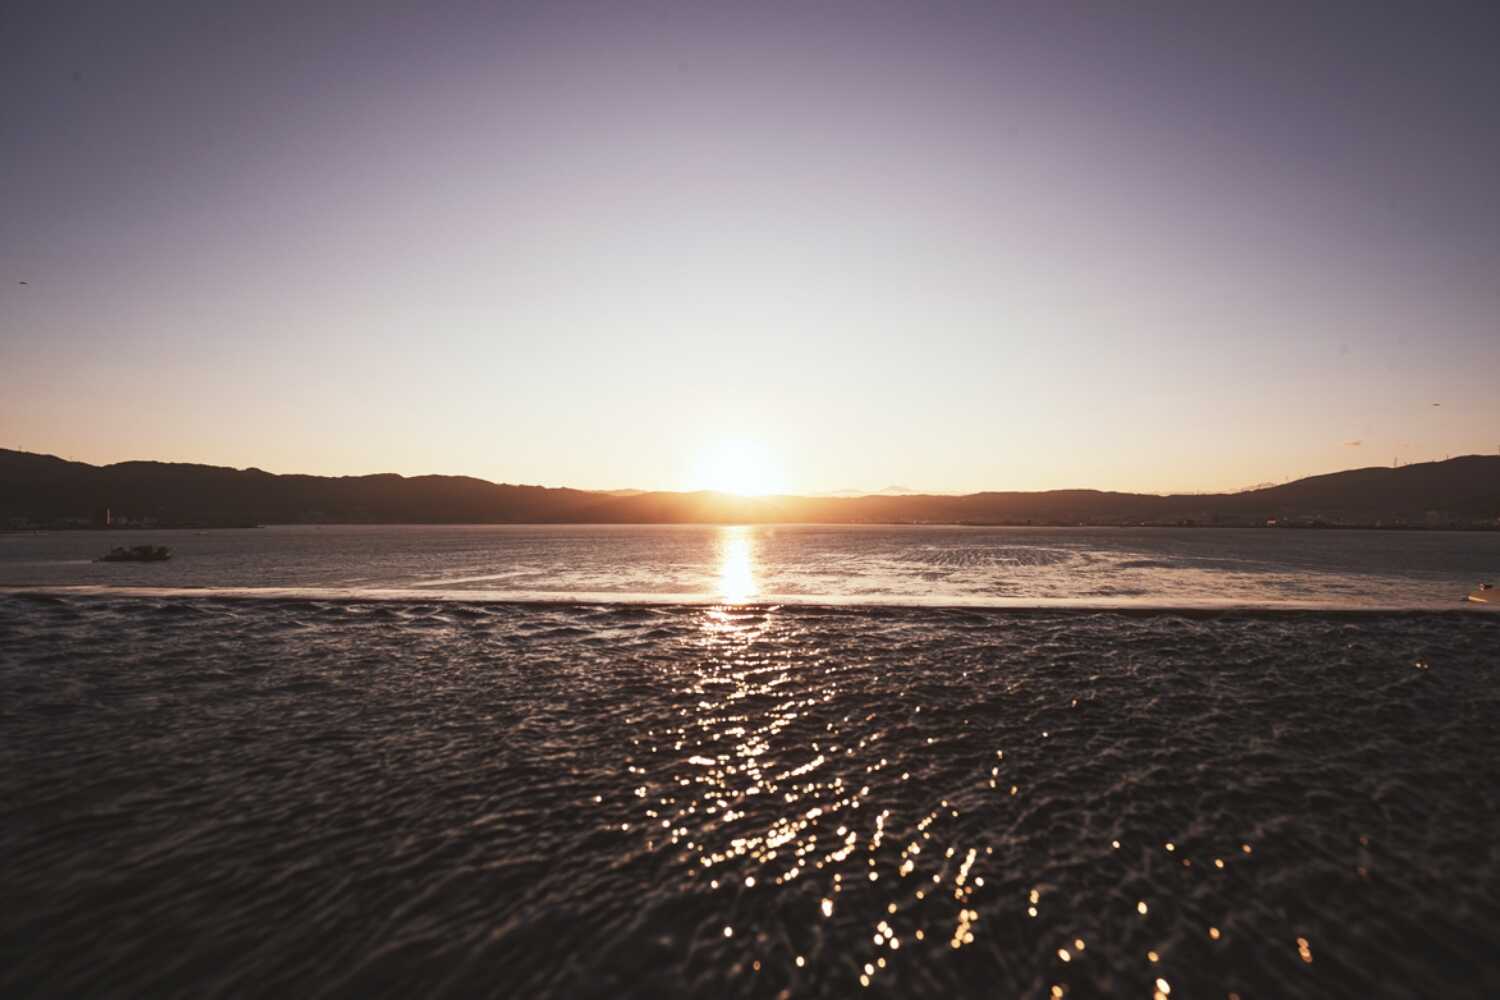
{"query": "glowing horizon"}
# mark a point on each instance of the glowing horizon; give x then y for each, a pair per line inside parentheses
(749, 492)
(738, 466)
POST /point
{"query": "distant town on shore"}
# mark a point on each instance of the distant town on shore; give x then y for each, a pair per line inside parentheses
(43, 492)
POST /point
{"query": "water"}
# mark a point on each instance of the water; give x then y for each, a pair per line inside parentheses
(863, 565)
(253, 771)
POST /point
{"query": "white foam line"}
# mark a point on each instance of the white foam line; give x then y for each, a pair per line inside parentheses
(716, 600)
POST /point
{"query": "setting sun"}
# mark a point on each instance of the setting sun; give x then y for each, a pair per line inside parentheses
(738, 465)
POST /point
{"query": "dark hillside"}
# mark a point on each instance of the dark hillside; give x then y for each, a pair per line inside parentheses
(45, 490)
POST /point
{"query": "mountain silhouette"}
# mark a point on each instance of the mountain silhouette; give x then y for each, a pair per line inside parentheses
(46, 490)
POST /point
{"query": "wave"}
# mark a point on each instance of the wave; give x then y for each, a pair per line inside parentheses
(1117, 599)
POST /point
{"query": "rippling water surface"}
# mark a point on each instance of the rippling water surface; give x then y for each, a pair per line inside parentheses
(703, 761)
(215, 796)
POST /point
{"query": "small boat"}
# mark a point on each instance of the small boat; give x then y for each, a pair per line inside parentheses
(1485, 593)
(137, 553)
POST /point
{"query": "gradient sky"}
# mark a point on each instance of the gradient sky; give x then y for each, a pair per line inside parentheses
(951, 246)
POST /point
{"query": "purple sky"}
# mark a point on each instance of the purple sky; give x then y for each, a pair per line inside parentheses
(952, 246)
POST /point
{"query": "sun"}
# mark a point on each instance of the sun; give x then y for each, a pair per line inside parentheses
(737, 465)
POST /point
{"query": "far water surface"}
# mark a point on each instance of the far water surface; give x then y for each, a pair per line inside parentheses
(946, 565)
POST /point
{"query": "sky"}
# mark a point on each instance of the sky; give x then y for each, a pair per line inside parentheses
(803, 247)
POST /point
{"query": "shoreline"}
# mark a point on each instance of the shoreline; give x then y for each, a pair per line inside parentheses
(771, 602)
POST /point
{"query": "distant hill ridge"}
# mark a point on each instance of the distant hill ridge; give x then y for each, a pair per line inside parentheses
(45, 490)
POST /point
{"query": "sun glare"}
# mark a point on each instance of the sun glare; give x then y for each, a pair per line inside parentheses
(740, 466)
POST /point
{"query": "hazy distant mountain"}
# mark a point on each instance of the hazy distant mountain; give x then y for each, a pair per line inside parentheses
(889, 491)
(42, 489)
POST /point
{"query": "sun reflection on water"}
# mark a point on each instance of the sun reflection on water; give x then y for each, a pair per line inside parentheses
(765, 795)
(737, 565)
